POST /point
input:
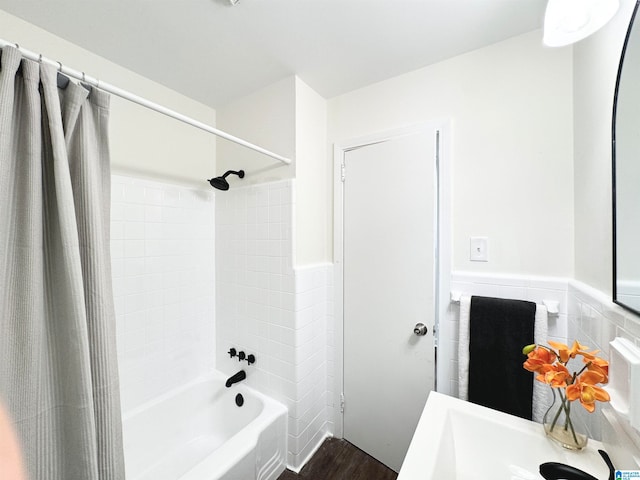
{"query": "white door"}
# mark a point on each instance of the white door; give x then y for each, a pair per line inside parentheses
(388, 287)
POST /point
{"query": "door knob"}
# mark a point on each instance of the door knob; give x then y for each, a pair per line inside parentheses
(420, 329)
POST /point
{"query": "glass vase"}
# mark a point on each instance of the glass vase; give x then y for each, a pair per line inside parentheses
(562, 426)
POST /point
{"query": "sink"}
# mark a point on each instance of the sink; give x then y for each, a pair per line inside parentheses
(455, 439)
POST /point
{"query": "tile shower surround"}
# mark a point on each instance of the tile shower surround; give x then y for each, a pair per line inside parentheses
(268, 308)
(164, 271)
(163, 260)
(586, 314)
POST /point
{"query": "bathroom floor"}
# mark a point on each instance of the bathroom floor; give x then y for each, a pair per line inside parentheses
(337, 459)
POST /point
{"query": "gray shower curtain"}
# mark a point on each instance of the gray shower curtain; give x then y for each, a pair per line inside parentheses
(58, 370)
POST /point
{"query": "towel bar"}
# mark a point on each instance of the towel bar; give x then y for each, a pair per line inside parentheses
(552, 305)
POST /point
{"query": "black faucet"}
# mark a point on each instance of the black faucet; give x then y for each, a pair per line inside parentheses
(557, 471)
(241, 375)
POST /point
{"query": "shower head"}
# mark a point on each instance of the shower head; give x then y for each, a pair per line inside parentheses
(221, 182)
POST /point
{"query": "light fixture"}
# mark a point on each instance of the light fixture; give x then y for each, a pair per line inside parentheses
(568, 21)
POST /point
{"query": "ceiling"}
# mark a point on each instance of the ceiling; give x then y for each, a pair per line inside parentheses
(214, 52)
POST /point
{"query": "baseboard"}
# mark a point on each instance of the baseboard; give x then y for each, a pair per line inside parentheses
(323, 435)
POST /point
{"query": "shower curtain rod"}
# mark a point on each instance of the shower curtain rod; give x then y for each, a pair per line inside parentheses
(94, 82)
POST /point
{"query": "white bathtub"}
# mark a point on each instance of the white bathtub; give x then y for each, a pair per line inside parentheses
(197, 432)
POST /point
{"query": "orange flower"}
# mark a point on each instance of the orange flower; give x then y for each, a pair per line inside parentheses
(554, 375)
(539, 357)
(565, 353)
(590, 355)
(585, 389)
(551, 368)
(600, 366)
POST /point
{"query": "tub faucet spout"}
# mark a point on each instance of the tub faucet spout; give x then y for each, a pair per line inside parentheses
(241, 375)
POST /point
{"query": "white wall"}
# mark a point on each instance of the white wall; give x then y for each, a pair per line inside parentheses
(142, 142)
(511, 113)
(594, 72)
(313, 178)
(510, 160)
(265, 118)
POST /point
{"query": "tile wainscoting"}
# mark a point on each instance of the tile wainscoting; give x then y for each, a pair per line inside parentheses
(585, 314)
(595, 320)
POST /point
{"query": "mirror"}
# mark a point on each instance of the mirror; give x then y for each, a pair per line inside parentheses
(626, 173)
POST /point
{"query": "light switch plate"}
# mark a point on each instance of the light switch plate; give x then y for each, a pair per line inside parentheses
(479, 249)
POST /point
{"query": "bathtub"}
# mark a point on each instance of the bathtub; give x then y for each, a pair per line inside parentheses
(197, 432)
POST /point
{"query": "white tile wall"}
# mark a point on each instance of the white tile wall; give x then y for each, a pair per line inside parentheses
(308, 415)
(255, 284)
(163, 259)
(595, 320)
(586, 315)
(267, 308)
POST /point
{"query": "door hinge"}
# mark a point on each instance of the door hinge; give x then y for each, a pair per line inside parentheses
(342, 402)
(342, 172)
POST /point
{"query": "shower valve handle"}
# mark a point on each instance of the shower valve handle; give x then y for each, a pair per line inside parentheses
(232, 352)
(241, 356)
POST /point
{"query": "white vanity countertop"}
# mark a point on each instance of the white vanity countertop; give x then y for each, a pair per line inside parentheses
(459, 440)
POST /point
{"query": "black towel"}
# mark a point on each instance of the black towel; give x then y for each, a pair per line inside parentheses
(498, 329)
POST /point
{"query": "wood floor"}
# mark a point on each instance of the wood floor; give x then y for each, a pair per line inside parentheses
(337, 459)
